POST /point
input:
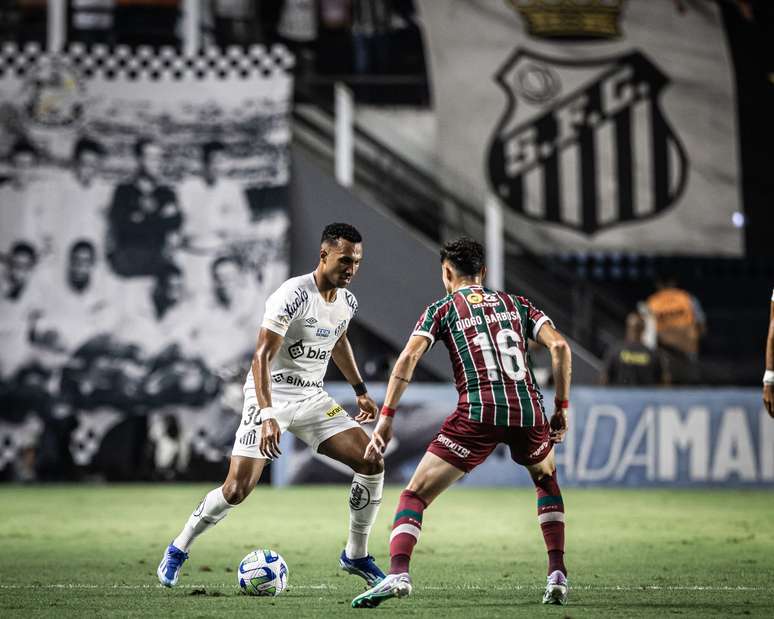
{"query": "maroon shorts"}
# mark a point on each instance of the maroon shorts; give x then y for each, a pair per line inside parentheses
(466, 444)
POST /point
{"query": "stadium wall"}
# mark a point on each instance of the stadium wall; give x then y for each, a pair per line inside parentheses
(618, 437)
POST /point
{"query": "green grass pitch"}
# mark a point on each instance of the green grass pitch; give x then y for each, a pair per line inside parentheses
(93, 551)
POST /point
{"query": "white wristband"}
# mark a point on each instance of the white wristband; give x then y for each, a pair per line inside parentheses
(768, 377)
(268, 413)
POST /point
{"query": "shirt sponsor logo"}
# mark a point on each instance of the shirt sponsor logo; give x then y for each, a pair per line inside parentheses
(340, 327)
(452, 446)
(350, 298)
(334, 411)
(321, 332)
(299, 297)
(474, 298)
(296, 349)
(296, 381)
(540, 449)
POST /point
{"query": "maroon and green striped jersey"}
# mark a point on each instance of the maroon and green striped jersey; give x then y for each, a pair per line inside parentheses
(486, 332)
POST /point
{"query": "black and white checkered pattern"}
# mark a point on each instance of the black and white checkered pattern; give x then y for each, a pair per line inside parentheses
(147, 64)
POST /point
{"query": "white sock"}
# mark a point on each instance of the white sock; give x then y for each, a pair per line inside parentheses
(208, 513)
(364, 500)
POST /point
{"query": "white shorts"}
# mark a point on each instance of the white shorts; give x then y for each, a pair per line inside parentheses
(313, 420)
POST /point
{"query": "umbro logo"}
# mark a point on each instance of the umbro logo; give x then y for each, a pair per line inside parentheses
(310, 322)
(249, 439)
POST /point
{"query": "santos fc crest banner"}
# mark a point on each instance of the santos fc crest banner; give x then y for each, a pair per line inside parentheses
(598, 125)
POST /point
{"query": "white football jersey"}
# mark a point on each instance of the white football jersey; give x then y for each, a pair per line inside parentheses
(311, 327)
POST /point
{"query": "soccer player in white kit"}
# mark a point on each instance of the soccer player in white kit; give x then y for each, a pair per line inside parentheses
(304, 327)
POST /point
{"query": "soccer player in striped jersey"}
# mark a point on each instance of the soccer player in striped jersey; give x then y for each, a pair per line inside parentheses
(486, 332)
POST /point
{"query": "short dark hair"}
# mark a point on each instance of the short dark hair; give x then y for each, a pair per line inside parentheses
(210, 148)
(223, 260)
(21, 247)
(85, 144)
(23, 145)
(466, 255)
(334, 232)
(167, 272)
(140, 144)
(83, 244)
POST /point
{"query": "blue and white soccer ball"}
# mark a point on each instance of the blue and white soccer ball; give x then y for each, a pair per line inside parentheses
(263, 572)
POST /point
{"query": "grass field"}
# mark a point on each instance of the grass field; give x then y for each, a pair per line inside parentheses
(93, 551)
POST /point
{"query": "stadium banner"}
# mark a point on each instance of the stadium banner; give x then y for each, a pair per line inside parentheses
(617, 437)
(599, 125)
(143, 222)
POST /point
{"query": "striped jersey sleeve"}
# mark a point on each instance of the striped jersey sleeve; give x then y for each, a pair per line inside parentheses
(535, 318)
(431, 323)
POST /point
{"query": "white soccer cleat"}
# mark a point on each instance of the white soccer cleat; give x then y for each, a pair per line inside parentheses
(393, 586)
(557, 589)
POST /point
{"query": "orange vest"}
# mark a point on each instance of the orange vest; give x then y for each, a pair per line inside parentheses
(672, 309)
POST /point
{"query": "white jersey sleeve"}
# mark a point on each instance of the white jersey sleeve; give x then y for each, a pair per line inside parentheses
(282, 306)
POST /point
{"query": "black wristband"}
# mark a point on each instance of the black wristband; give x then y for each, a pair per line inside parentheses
(360, 389)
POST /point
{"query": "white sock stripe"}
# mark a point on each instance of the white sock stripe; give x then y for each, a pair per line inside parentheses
(369, 479)
(551, 517)
(405, 528)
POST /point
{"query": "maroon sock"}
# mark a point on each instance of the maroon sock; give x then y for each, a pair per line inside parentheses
(405, 530)
(551, 518)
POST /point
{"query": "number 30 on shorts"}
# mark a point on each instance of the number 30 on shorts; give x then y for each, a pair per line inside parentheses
(253, 415)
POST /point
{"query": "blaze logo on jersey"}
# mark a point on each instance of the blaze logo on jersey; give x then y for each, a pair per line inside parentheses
(474, 298)
(584, 143)
(359, 497)
(296, 349)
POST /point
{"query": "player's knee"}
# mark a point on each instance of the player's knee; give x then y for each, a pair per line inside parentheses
(546, 469)
(367, 467)
(236, 490)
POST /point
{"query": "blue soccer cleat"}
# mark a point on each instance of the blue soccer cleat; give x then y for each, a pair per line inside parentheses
(364, 567)
(169, 568)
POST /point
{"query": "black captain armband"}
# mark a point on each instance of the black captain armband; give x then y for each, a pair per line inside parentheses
(360, 389)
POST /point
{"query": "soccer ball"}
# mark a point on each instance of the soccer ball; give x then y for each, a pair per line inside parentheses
(263, 572)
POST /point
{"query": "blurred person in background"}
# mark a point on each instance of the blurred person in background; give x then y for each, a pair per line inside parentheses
(78, 210)
(214, 206)
(81, 298)
(680, 325)
(144, 216)
(768, 375)
(19, 306)
(632, 363)
(22, 207)
(216, 214)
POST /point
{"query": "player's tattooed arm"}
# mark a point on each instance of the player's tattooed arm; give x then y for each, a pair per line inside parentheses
(399, 381)
(561, 366)
(268, 346)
